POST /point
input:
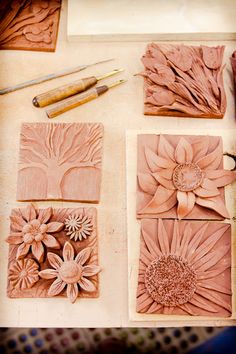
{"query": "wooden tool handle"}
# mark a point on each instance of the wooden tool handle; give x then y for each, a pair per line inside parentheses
(62, 92)
(75, 101)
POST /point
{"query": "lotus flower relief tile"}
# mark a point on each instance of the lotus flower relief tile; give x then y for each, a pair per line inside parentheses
(60, 161)
(33, 250)
(184, 268)
(184, 81)
(181, 177)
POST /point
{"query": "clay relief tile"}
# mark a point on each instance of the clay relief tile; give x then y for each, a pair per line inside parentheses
(29, 24)
(44, 261)
(184, 81)
(184, 268)
(233, 63)
(60, 161)
(181, 177)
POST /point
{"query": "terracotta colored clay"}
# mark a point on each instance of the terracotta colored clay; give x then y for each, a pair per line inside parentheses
(185, 268)
(181, 177)
(233, 63)
(44, 261)
(184, 81)
(60, 161)
(29, 24)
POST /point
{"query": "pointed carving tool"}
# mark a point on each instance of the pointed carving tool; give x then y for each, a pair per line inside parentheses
(62, 92)
(50, 77)
(78, 100)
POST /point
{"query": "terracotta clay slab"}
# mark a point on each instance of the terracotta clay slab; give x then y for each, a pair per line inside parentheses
(60, 161)
(184, 81)
(29, 24)
(184, 268)
(53, 252)
(233, 63)
(181, 176)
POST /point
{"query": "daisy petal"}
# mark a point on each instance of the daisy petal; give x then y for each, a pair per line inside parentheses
(55, 226)
(168, 184)
(155, 162)
(72, 292)
(54, 260)
(183, 152)
(29, 213)
(162, 201)
(17, 223)
(15, 238)
(48, 274)
(68, 252)
(147, 183)
(186, 202)
(83, 255)
(165, 149)
(221, 178)
(22, 250)
(90, 270)
(38, 250)
(211, 161)
(51, 242)
(56, 288)
(86, 285)
(44, 215)
(215, 204)
(163, 238)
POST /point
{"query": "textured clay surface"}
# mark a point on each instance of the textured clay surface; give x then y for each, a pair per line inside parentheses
(44, 258)
(185, 81)
(233, 63)
(60, 161)
(181, 177)
(29, 24)
(184, 268)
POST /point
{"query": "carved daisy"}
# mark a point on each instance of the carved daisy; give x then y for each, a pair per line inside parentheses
(78, 226)
(31, 229)
(70, 272)
(184, 176)
(23, 274)
(179, 269)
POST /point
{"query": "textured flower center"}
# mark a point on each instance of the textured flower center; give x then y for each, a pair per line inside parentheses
(23, 273)
(70, 272)
(170, 281)
(34, 231)
(187, 177)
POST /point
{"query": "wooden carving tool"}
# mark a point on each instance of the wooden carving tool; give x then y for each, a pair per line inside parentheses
(50, 77)
(62, 92)
(78, 100)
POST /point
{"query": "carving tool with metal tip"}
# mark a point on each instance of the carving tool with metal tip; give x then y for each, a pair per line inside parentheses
(62, 92)
(78, 100)
(50, 77)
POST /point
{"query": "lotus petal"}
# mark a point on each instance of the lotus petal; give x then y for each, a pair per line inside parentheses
(17, 223)
(147, 183)
(183, 152)
(162, 201)
(221, 178)
(22, 250)
(165, 149)
(186, 202)
(38, 250)
(15, 238)
(44, 215)
(156, 162)
(55, 226)
(211, 161)
(215, 204)
(29, 213)
(51, 242)
(168, 184)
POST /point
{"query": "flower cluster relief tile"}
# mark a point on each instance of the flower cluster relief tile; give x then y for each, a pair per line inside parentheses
(53, 252)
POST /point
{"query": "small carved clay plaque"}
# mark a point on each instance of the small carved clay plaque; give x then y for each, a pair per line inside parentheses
(53, 252)
(181, 177)
(184, 268)
(185, 81)
(60, 161)
(29, 24)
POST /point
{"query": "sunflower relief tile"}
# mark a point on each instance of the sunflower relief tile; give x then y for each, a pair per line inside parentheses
(184, 268)
(53, 252)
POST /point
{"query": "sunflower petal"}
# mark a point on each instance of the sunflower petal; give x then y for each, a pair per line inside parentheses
(168, 184)
(150, 244)
(211, 161)
(68, 252)
(29, 213)
(154, 307)
(215, 298)
(56, 288)
(143, 301)
(147, 183)
(38, 250)
(22, 250)
(212, 258)
(162, 201)
(44, 215)
(54, 260)
(214, 272)
(185, 240)
(175, 243)
(221, 178)
(201, 302)
(216, 287)
(83, 255)
(163, 238)
(186, 308)
(17, 223)
(55, 226)
(51, 242)
(215, 204)
(72, 292)
(183, 152)
(48, 274)
(165, 149)
(86, 285)
(155, 162)
(186, 202)
(90, 270)
(193, 244)
(15, 238)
